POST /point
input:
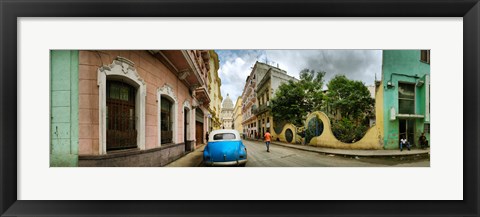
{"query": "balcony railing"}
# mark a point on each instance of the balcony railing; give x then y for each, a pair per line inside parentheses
(261, 109)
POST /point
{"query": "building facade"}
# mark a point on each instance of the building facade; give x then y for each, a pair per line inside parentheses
(227, 113)
(265, 90)
(237, 115)
(136, 108)
(249, 98)
(214, 83)
(405, 89)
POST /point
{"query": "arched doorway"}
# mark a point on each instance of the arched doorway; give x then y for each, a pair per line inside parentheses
(198, 126)
(121, 70)
(120, 117)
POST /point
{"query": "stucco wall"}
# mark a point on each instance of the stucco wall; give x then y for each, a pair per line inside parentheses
(379, 119)
(402, 66)
(237, 115)
(371, 140)
(155, 75)
(64, 108)
(281, 137)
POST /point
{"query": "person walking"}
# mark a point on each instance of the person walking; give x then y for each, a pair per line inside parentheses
(403, 142)
(206, 135)
(267, 138)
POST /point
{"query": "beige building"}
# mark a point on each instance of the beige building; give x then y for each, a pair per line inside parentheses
(249, 97)
(214, 83)
(227, 113)
(265, 91)
(237, 116)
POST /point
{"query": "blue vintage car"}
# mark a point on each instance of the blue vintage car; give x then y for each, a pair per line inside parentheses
(225, 148)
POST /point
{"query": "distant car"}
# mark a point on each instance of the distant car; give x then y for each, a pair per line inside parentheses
(225, 148)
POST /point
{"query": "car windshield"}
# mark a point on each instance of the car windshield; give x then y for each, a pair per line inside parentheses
(224, 136)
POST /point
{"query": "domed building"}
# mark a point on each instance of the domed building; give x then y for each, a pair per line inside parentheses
(227, 113)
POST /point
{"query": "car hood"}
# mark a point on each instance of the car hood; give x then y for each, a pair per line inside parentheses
(224, 150)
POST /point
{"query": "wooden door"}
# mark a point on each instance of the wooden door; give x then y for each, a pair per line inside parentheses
(198, 133)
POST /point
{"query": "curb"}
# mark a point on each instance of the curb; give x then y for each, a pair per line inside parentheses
(406, 153)
(192, 163)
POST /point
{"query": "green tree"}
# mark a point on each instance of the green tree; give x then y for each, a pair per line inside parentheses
(312, 83)
(349, 106)
(294, 100)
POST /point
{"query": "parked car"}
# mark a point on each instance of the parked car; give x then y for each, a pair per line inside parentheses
(225, 148)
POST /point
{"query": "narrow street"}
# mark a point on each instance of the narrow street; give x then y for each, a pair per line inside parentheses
(280, 156)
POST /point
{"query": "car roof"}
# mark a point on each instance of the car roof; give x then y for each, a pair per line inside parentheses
(235, 132)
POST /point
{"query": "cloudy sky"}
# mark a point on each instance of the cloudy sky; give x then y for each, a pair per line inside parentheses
(236, 65)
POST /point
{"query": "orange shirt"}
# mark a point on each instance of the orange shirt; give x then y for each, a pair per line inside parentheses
(267, 137)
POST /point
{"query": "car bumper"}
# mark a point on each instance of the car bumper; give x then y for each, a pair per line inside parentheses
(227, 163)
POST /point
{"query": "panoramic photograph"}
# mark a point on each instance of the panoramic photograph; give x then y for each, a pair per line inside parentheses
(240, 108)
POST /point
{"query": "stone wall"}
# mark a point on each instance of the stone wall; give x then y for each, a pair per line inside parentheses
(155, 157)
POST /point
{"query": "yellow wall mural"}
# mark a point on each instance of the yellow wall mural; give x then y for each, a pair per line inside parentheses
(371, 140)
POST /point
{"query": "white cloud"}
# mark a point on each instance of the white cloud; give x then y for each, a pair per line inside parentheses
(235, 65)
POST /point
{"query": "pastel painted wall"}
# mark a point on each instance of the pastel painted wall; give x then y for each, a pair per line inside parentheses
(403, 66)
(371, 139)
(296, 139)
(63, 108)
(379, 119)
(155, 75)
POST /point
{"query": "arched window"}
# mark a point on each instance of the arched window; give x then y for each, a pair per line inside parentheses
(121, 94)
(167, 118)
(120, 117)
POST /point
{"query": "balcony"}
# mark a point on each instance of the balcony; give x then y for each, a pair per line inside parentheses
(260, 110)
(189, 65)
(264, 80)
(201, 94)
(248, 90)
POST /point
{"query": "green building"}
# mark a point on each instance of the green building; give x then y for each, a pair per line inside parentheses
(64, 108)
(406, 96)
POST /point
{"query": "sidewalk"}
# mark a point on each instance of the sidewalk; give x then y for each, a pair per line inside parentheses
(353, 152)
(192, 159)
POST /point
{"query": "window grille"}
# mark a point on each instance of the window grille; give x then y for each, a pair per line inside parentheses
(120, 116)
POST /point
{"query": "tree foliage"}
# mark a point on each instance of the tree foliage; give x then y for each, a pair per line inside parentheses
(347, 103)
(347, 130)
(312, 83)
(350, 105)
(294, 100)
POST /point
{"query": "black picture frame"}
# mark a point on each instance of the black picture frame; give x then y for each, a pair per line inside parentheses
(10, 10)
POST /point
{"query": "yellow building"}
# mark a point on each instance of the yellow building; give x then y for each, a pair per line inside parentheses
(214, 83)
(237, 116)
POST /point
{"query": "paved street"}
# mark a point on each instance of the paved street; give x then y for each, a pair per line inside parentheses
(280, 156)
(288, 157)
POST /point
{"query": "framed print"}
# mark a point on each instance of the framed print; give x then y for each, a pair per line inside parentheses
(115, 108)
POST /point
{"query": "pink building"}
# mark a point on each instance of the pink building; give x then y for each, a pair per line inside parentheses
(141, 108)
